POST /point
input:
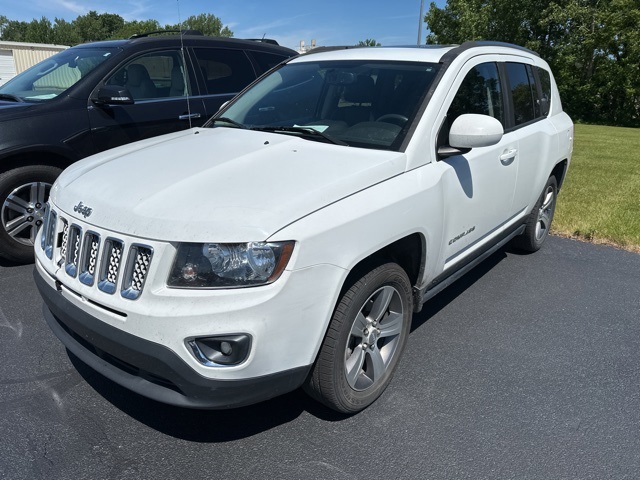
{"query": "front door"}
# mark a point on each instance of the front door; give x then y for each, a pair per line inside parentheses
(479, 185)
(161, 86)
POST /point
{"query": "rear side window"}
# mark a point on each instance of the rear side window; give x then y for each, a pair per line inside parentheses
(266, 61)
(523, 92)
(224, 71)
(480, 92)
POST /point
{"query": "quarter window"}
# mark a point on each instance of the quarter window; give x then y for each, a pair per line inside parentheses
(545, 90)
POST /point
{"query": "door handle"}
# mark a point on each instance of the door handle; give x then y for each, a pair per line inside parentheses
(508, 157)
(188, 116)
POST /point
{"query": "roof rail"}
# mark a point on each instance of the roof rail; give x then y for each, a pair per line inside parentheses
(490, 43)
(270, 41)
(160, 32)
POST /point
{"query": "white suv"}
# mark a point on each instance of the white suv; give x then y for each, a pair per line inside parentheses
(300, 229)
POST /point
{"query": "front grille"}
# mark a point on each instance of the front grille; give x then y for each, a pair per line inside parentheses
(91, 261)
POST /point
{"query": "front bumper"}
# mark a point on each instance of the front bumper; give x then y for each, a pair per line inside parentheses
(149, 368)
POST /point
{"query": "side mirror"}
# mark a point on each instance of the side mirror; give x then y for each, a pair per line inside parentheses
(113, 95)
(473, 131)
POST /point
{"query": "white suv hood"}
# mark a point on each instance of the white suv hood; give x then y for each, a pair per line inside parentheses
(221, 184)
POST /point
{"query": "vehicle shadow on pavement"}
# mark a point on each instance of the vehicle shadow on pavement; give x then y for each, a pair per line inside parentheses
(450, 293)
(206, 426)
(212, 426)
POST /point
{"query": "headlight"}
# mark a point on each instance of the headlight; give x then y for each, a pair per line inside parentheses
(220, 265)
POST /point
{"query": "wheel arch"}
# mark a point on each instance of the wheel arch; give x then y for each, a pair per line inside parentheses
(560, 171)
(35, 156)
(409, 252)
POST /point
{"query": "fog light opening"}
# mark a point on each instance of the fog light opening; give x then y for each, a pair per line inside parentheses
(221, 350)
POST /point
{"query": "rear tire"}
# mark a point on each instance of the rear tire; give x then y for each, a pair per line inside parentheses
(23, 194)
(539, 221)
(364, 342)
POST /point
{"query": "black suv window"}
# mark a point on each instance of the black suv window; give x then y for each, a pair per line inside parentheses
(266, 61)
(480, 92)
(224, 70)
(155, 75)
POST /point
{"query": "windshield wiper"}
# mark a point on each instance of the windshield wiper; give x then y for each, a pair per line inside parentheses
(303, 130)
(228, 120)
(10, 96)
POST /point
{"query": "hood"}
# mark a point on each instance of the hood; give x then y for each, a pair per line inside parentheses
(220, 184)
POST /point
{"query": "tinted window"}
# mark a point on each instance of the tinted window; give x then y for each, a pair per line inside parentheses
(155, 75)
(48, 79)
(522, 92)
(362, 103)
(224, 71)
(267, 61)
(545, 88)
(480, 92)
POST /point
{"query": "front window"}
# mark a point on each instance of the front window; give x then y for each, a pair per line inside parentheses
(55, 75)
(361, 103)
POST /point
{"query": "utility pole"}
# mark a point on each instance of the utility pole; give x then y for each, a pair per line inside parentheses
(420, 22)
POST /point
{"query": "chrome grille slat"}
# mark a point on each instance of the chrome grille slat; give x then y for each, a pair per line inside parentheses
(49, 231)
(89, 262)
(65, 239)
(72, 250)
(110, 267)
(137, 269)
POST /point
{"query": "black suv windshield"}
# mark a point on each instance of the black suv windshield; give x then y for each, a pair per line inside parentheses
(55, 75)
(361, 103)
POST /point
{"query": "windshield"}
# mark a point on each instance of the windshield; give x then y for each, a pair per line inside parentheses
(360, 103)
(53, 76)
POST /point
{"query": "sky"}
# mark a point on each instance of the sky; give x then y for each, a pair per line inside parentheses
(329, 22)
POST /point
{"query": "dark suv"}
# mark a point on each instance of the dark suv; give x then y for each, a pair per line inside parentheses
(100, 95)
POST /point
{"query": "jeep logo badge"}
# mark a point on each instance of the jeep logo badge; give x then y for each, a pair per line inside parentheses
(83, 210)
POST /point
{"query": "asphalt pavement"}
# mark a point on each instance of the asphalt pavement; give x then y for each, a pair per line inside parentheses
(528, 368)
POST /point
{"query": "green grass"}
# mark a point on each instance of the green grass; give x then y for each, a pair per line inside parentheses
(600, 199)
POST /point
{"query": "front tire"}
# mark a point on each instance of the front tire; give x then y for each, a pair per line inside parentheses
(365, 340)
(539, 221)
(23, 194)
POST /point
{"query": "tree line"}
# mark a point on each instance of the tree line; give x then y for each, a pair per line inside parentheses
(593, 47)
(96, 26)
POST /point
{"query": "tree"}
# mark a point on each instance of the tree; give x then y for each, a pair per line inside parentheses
(98, 26)
(206, 23)
(369, 42)
(593, 46)
(136, 27)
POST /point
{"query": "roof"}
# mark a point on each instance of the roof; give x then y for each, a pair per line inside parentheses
(11, 45)
(418, 53)
(191, 41)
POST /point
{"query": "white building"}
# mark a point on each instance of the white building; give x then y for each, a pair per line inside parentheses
(15, 57)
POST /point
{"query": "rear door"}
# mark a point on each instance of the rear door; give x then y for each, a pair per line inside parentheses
(162, 86)
(222, 73)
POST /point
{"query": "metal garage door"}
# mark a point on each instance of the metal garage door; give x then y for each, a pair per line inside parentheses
(7, 66)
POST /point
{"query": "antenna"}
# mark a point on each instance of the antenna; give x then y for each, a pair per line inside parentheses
(184, 64)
